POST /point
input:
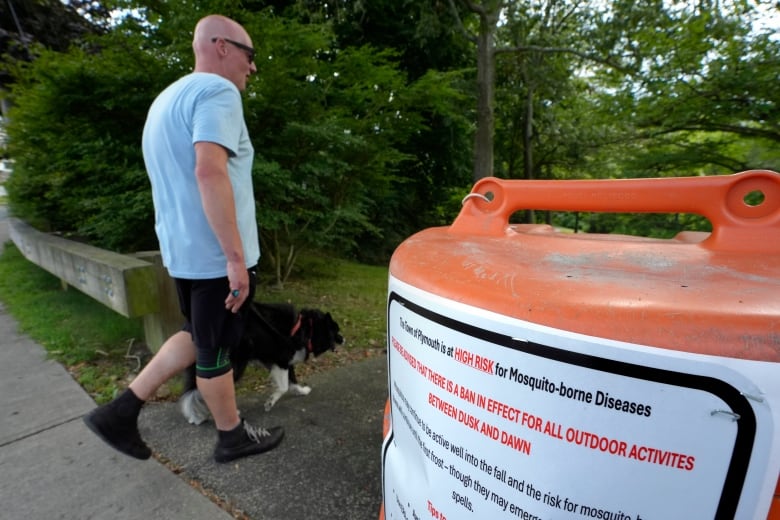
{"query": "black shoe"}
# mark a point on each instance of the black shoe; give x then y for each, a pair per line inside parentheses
(246, 440)
(120, 433)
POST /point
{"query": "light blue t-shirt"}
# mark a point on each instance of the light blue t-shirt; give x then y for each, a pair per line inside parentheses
(197, 107)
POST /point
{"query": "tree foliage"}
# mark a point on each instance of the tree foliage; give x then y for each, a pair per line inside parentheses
(329, 126)
(430, 49)
(327, 135)
(75, 134)
(370, 120)
(703, 98)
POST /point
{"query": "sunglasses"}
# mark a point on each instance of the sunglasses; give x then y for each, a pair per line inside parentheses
(250, 52)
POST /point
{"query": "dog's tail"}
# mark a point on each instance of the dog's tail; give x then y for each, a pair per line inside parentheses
(193, 407)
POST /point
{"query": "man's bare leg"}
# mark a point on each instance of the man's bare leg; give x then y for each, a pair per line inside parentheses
(220, 396)
(176, 354)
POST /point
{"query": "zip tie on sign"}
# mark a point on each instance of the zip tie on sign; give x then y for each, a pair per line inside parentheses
(474, 195)
(756, 398)
(734, 416)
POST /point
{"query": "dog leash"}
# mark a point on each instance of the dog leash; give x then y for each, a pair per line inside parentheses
(285, 339)
(297, 325)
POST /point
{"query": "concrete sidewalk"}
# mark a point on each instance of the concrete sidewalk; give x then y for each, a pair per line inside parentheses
(52, 466)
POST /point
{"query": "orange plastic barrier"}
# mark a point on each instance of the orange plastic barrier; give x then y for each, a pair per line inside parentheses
(774, 510)
(700, 294)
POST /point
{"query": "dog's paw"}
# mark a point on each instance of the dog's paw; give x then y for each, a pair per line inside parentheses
(193, 407)
(300, 389)
(271, 401)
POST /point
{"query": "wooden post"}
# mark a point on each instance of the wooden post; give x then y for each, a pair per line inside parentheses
(168, 320)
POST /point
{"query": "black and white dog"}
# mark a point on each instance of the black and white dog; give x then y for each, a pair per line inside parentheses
(279, 337)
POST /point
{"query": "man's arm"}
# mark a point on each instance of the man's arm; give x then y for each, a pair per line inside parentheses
(216, 193)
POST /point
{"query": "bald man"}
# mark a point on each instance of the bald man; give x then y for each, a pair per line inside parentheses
(199, 160)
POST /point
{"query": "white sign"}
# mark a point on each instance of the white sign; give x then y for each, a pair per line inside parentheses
(497, 418)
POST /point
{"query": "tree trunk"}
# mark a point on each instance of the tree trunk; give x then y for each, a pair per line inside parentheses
(483, 139)
(528, 150)
(528, 133)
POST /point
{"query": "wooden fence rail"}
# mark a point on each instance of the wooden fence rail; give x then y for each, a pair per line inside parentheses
(132, 285)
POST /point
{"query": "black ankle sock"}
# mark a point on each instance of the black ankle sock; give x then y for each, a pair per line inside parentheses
(232, 435)
(128, 405)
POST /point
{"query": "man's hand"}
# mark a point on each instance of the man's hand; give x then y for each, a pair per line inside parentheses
(239, 286)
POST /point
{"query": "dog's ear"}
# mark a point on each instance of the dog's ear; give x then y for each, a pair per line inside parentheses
(334, 329)
(323, 337)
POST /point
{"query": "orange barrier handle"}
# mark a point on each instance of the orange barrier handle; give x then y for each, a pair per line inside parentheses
(737, 225)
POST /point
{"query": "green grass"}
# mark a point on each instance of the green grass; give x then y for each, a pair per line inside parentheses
(354, 293)
(103, 350)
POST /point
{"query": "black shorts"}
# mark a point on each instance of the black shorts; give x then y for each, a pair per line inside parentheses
(215, 330)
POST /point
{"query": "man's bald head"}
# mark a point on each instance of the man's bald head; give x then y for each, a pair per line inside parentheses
(211, 41)
(215, 25)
